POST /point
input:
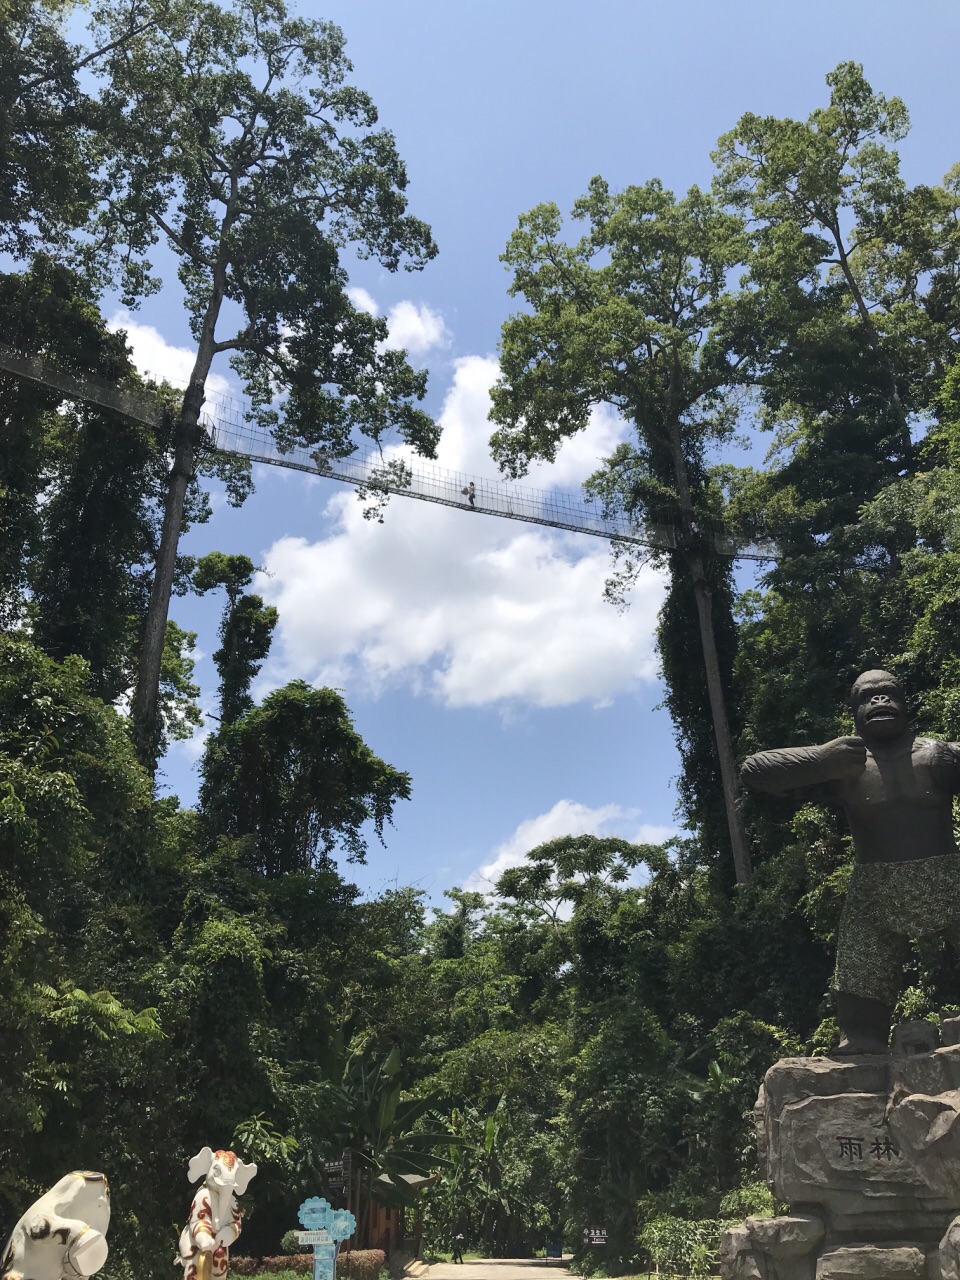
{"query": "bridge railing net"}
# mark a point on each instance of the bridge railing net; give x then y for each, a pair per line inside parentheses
(421, 478)
(227, 421)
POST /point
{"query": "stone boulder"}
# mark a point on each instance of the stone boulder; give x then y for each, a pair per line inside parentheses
(872, 1262)
(866, 1137)
(782, 1248)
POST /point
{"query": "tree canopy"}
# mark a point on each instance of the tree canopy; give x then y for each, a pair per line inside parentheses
(231, 135)
(583, 1044)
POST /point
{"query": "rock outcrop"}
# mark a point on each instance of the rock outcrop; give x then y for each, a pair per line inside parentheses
(866, 1152)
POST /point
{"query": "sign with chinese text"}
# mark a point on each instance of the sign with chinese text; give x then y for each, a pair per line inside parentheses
(324, 1227)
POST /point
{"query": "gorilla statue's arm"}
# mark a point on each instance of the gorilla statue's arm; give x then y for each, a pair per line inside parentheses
(801, 768)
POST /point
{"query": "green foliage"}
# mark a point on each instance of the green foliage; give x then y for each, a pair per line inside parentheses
(681, 1246)
(72, 801)
(584, 1044)
(753, 1200)
(76, 565)
(246, 629)
(497, 1191)
(265, 1144)
(47, 161)
(94, 515)
(179, 712)
(289, 1242)
(235, 139)
(295, 778)
(638, 314)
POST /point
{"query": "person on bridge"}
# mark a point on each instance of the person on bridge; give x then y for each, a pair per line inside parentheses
(472, 495)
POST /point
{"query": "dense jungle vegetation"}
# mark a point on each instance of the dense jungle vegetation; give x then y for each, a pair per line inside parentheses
(584, 1045)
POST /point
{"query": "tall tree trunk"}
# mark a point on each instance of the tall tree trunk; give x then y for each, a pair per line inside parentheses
(708, 643)
(187, 434)
(721, 726)
(873, 337)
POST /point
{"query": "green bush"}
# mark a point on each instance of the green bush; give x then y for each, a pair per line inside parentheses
(290, 1242)
(285, 1267)
(281, 1274)
(241, 1265)
(681, 1246)
(753, 1200)
(361, 1264)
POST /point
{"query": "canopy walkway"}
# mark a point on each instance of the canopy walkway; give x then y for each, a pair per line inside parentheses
(226, 421)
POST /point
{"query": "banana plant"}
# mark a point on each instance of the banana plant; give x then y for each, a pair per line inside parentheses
(392, 1149)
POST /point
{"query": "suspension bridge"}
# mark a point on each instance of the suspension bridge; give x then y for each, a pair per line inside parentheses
(230, 431)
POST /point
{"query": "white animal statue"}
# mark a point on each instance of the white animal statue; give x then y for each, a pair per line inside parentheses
(63, 1235)
(214, 1221)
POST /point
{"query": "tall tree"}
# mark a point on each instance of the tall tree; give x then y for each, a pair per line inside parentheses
(74, 804)
(819, 193)
(632, 315)
(853, 277)
(81, 497)
(44, 309)
(295, 778)
(246, 629)
(235, 139)
(48, 143)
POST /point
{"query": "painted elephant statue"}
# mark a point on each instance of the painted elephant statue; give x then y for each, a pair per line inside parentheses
(63, 1235)
(214, 1221)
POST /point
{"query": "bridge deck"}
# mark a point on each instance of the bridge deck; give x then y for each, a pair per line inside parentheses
(230, 432)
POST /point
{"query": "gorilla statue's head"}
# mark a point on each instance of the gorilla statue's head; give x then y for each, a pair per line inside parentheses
(879, 706)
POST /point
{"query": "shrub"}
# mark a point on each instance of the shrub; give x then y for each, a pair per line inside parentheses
(358, 1264)
(361, 1264)
(679, 1246)
(754, 1200)
(289, 1243)
(284, 1273)
(289, 1265)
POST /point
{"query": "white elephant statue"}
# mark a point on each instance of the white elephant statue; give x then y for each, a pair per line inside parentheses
(214, 1221)
(63, 1235)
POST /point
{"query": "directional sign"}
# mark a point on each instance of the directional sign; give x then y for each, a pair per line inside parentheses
(325, 1228)
(337, 1173)
(595, 1235)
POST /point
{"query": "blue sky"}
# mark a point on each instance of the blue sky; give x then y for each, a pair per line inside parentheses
(476, 653)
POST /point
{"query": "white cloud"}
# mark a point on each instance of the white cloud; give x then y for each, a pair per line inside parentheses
(156, 357)
(413, 326)
(459, 604)
(566, 818)
(362, 300)
(652, 833)
(416, 329)
(194, 746)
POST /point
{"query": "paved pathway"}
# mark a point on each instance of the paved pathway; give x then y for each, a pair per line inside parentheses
(496, 1269)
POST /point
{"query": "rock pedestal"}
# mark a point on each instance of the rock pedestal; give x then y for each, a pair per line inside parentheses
(866, 1154)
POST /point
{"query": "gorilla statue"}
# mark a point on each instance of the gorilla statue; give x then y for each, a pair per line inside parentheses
(896, 791)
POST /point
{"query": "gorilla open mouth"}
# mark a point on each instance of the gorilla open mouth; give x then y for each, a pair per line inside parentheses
(882, 713)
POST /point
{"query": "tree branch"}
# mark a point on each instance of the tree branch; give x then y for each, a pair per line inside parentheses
(91, 57)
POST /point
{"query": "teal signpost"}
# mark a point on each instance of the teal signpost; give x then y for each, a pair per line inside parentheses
(325, 1228)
